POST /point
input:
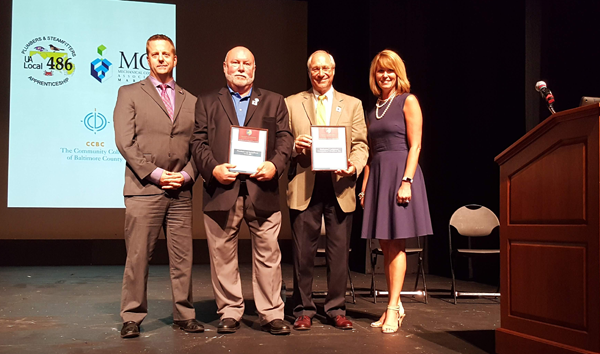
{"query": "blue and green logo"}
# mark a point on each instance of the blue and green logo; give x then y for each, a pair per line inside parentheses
(100, 67)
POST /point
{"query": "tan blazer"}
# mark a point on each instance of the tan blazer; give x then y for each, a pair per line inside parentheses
(148, 139)
(345, 110)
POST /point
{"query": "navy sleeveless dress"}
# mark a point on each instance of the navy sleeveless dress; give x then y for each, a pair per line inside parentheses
(383, 217)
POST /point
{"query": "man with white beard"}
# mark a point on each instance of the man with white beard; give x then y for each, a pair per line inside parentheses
(230, 197)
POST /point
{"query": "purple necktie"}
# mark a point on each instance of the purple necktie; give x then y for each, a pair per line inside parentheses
(166, 100)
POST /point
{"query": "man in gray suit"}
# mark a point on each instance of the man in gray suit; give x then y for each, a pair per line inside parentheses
(154, 122)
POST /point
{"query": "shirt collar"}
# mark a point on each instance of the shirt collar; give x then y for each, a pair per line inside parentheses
(328, 94)
(157, 83)
(233, 93)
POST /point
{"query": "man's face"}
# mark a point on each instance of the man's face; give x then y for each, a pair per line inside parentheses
(161, 58)
(321, 72)
(239, 68)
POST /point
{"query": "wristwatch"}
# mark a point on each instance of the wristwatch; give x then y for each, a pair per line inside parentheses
(407, 179)
(361, 195)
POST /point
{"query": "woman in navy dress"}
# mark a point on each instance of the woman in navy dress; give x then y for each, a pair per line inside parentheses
(393, 192)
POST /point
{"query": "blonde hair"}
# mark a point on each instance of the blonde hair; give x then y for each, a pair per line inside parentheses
(388, 59)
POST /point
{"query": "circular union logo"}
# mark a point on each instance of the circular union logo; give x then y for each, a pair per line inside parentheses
(48, 61)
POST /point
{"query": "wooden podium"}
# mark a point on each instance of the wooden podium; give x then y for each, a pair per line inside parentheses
(549, 237)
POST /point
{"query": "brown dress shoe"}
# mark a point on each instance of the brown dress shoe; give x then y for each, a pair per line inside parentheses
(302, 323)
(341, 322)
(277, 327)
(130, 329)
(189, 325)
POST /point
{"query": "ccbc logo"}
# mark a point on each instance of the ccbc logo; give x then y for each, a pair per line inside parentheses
(95, 121)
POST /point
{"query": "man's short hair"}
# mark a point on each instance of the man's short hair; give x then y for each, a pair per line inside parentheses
(160, 37)
(320, 51)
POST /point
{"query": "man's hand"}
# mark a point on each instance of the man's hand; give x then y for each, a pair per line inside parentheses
(265, 171)
(171, 180)
(302, 142)
(347, 173)
(222, 174)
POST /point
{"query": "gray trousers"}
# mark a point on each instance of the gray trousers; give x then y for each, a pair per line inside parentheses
(144, 217)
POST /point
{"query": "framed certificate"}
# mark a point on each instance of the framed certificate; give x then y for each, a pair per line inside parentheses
(247, 148)
(328, 148)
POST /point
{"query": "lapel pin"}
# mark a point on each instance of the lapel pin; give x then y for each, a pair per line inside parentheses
(338, 109)
(255, 101)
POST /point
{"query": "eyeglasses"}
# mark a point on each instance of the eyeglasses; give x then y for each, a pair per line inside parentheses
(326, 69)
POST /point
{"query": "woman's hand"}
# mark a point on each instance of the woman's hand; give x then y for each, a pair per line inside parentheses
(404, 193)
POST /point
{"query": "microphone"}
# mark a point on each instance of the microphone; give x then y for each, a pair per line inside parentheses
(546, 94)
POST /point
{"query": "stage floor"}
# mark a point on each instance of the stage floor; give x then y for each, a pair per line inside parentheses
(75, 309)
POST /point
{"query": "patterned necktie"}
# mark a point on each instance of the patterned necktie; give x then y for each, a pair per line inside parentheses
(166, 100)
(321, 111)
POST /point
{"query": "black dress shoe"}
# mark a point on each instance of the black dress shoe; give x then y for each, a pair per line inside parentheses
(190, 325)
(228, 325)
(130, 329)
(277, 327)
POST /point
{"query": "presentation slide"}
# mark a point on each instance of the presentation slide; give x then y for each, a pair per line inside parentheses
(68, 60)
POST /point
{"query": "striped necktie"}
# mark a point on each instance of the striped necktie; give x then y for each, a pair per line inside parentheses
(166, 100)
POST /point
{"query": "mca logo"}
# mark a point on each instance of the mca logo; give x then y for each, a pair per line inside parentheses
(100, 67)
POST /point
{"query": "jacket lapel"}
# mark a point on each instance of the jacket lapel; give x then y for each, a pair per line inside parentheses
(253, 104)
(336, 108)
(179, 99)
(149, 88)
(309, 106)
(227, 103)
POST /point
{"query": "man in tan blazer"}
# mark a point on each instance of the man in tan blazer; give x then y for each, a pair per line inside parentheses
(154, 122)
(313, 196)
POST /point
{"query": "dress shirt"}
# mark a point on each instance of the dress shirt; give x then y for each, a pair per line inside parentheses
(327, 102)
(241, 105)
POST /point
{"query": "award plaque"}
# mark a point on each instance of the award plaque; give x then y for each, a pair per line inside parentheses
(328, 148)
(247, 148)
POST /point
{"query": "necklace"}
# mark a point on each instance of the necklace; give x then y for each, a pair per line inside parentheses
(383, 103)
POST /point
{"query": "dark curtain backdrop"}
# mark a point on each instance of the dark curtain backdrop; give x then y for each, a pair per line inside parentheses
(472, 65)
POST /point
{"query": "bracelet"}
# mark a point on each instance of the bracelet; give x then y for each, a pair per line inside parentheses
(407, 179)
(361, 195)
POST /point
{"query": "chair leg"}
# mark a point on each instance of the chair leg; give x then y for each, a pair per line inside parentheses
(453, 278)
(373, 285)
(418, 271)
(351, 286)
(422, 273)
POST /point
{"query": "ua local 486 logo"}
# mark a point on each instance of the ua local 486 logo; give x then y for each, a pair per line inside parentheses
(48, 61)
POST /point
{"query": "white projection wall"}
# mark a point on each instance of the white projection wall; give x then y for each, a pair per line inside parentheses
(68, 60)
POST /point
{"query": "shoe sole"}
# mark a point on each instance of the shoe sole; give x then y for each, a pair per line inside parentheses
(191, 330)
(277, 332)
(344, 328)
(130, 335)
(302, 328)
(228, 330)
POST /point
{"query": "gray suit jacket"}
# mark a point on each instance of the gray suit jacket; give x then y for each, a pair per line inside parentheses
(148, 139)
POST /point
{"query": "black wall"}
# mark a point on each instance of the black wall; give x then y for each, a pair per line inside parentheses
(467, 65)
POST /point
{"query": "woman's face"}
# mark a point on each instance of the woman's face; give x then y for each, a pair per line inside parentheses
(386, 79)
